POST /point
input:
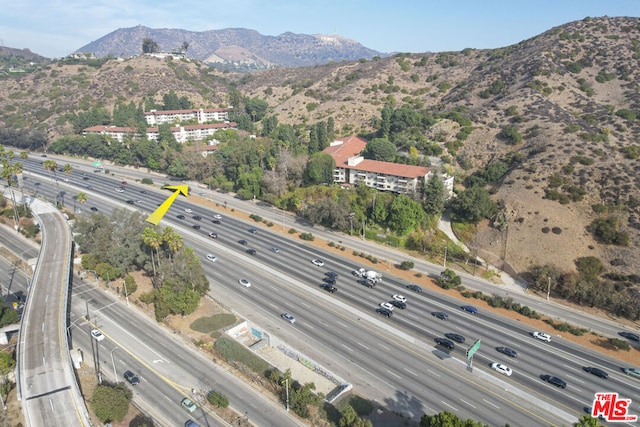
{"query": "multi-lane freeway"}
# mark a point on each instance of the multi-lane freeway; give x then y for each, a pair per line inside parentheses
(391, 360)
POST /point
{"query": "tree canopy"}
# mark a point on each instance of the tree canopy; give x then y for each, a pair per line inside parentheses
(473, 205)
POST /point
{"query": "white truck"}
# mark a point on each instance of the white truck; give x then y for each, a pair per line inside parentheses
(370, 276)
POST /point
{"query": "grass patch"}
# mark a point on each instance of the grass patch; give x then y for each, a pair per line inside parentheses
(464, 231)
(233, 351)
(209, 324)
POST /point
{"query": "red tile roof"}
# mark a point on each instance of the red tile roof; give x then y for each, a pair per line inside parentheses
(352, 146)
(105, 128)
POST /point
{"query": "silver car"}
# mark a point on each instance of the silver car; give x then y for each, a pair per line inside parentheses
(634, 372)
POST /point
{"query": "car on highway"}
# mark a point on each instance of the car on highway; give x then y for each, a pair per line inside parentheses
(387, 306)
(414, 288)
(596, 371)
(130, 201)
(503, 369)
(212, 257)
(455, 337)
(470, 309)
(188, 404)
(274, 250)
(118, 189)
(630, 336)
(252, 230)
(197, 217)
(180, 216)
(366, 282)
(542, 336)
(188, 210)
(216, 221)
(243, 242)
(508, 351)
(93, 208)
(86, 178)
(97, 335)
(398, 304)
(399, 298)
(124, 183)
(138, 201)
(440, 315)
(558, 382)
(288, 317)
(213, 235)
(634, 372)
(196, 226)
(329, 288)
(131, 378)
(143, 191)
(384, 311)
(245, 283)
(446, 343)
(317, 262)
(191, 423)
(251, 251)
(217, 216)
(329, 280)
(331, 274)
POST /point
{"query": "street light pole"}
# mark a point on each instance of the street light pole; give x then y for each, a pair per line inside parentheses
(548, 288)
(286, 380)
(115, 374)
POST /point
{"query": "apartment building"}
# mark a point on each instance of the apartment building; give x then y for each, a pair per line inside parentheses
(202, 115)
(182, 134)
(352, 168)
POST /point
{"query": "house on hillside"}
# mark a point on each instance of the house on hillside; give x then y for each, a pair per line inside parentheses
(352, 168)
(202, 115)
(182, 134)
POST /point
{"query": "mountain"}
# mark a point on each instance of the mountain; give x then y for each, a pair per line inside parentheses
(557, 115)
(235, 46)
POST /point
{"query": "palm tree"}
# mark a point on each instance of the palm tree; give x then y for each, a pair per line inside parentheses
(51, 166)
(152, 238)
(8, 172)
(81, 198)
(173, 240)
(24, 155)
(588, 421)
(67, 168)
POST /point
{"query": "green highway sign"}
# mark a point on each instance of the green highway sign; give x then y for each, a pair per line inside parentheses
(472, 350)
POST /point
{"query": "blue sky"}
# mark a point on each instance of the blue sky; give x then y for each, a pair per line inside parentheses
(55, 28)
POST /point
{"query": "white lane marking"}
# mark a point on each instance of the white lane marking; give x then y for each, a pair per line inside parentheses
(384, 346)
(411, 372)
(464, 401)
(437, 375)
(449, 405)
(348, 348)
(394, 374)
(362, 345)
(495, 406)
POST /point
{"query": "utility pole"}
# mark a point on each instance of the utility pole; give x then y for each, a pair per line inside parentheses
(445, 257)
(548, 287)
(126, 294)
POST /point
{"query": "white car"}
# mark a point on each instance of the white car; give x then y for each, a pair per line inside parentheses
(387, 305)
(217, 216)
(212, 257)
(244, 282)
(318, 262)
(188, 210)
(119, 190)
(542, 336)
(503, 369)
(288, 317)
(97, 335)
(275, 250)
(400, 298)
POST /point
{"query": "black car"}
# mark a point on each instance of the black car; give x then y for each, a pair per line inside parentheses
(629, 335)
(384, 311)
(252, 231)
(329, 288)
(366, 283)
(180, 217)
(414, 288)
(242, 242)
(251, 251)
(554, 380)
(440, 315)
(197, 217)
(93, 208)
(216, 221)
(131, 378)
(597, 372)
(455, 337)
(130, 201)
(196, 226)
(508, 351)
(445, 343)
(329, 280)
(86, 178)
(331, 274)
(399, 304)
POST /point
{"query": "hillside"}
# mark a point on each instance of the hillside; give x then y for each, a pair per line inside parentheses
(570, 94)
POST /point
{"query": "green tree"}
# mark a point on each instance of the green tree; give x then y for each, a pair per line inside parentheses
(433, 196)
(589, 267)
(149, 46)
(111, 403)
(218, 399)
(380, 149)
(448, 279)
(588, 421)
(447, 419)
(8, 316)
(320, 169)
(153, 239)
(405, 214)
(472, 205)
(130, 284)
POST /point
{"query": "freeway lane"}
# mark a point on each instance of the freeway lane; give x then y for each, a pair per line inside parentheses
(301, 270)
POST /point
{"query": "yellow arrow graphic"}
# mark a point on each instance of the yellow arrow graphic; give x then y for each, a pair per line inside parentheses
(157, 215)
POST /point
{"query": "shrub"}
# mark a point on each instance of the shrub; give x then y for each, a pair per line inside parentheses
(292, 231)
(218, 399)
(406, 265)
(111, 403)
(331, 244)
(233, 351)
(619, 344)
(256, 218)
(307, 236)
(148, 181)
(209, 324)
